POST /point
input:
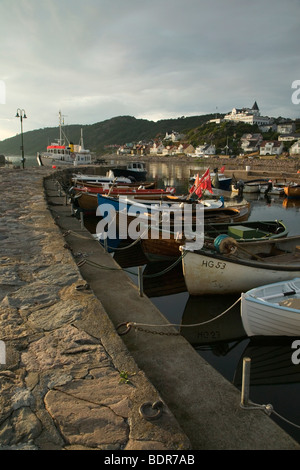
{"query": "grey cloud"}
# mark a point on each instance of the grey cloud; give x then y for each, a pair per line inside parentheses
(101, 58)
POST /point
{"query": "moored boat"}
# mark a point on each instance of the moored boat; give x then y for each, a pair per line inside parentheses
(218, 180)
(87, 197)
(214, 209)
(292, 191)
(134, 170)
(98, 179)
(273, 189)
(272, 310)
(63, 152)
(248, 187)
(165, 243)
(231, 267)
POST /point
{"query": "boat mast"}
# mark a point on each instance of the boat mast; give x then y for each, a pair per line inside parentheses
(81, 140)
(60, 129)
(62, 136)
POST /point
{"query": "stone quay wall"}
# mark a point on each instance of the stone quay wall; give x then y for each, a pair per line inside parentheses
(67, 381)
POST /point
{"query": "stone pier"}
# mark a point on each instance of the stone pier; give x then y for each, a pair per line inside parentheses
(67, 379)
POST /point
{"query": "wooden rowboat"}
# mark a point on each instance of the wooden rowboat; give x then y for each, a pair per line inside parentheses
(235, 267)
(165, 243)
(292, 191)
(87, 197)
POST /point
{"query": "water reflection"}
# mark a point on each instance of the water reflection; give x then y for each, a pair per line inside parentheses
(220, 338)
(271, 362)
(214, 320)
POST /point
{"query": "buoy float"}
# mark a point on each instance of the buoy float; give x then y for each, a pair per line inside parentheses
(225, 244)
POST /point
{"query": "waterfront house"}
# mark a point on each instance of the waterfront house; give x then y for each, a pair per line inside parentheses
(157, 148)
(271, 147)
(251, 142)
(205, 149)
(286, 128)
(173, 136)
(295, 148)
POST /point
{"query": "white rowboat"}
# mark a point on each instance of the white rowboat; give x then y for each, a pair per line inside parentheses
(246, 266)
(272, 310)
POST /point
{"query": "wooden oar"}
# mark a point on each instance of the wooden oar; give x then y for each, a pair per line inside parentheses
(249, 253)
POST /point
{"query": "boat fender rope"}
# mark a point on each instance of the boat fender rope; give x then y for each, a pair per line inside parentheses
(148, 406)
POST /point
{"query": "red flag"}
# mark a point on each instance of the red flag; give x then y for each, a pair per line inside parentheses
(222, 169)
(205, 183)
(199, 191)
(195, 185)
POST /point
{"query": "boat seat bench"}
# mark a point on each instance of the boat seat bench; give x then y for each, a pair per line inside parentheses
(288, 258)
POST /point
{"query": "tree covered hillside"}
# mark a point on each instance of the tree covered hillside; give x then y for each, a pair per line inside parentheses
(116, 131)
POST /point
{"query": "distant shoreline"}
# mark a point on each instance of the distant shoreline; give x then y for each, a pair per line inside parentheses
(291, 164)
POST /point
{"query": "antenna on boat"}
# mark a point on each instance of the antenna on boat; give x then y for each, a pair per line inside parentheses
(81, 140)
(61, 132)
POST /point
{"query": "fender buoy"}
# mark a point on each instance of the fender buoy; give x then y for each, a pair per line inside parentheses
(225, 245)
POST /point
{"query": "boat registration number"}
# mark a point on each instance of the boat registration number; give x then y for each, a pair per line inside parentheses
(214, 264)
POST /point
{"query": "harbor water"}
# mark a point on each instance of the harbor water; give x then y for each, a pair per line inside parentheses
(223, 343)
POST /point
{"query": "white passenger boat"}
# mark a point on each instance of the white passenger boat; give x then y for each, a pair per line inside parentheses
(240, 267)
(272, 310)
(63, 152)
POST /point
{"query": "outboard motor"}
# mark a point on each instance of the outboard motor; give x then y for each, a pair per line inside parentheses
(239, 185)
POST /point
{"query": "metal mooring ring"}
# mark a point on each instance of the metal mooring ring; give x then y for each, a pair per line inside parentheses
(148, 406)
(125, 331)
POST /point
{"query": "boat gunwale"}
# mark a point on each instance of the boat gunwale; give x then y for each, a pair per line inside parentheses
(249, 298)
(249, 262)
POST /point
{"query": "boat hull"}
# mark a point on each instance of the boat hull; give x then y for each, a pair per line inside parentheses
(292, 191)
(160, 243)
(88, 200)
(265, 311)
(44, 160)
(207, 272)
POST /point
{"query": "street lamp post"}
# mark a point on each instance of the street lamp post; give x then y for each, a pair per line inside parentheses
(22, 115)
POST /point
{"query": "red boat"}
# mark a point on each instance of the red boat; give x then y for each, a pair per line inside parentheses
(86, 196)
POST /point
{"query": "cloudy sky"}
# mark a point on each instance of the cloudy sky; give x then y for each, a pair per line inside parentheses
(152, 59)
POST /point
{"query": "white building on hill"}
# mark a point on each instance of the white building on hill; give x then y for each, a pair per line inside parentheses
(249, 116)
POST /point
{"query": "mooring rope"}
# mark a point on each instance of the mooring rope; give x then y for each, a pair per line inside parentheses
(137, 326)
(268, 409)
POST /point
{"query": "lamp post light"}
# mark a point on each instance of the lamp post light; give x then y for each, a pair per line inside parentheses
(22, 115)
